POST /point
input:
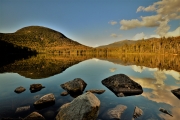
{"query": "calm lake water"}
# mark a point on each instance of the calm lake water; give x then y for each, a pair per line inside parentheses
(52, 71)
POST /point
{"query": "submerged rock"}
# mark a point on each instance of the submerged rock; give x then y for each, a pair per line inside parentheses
(137, 112)
(121, 84)
(83, 107)
(22, 109)
(36, 87)
(45, 101)
(74, 87)
(115, 113)
(96, 91)
(64, 93)
(165, 111)
(34, 116)
(176, 92)
(19, 89)
(8, 118)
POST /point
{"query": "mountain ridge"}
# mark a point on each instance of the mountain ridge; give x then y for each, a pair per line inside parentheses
(41, 39)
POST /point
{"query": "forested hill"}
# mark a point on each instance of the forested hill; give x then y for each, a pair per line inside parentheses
(117, 44)
(41, 39)
(170, 45)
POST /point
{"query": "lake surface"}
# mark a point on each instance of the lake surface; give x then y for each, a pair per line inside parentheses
(157, 75)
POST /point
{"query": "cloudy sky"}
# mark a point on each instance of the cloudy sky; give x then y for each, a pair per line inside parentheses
(94, 22)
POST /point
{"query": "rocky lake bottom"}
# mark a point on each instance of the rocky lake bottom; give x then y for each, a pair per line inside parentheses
(156, 85)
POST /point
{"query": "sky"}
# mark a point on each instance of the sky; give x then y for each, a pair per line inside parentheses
(94, 22)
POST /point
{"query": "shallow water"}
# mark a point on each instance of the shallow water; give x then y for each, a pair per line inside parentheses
(52, 71)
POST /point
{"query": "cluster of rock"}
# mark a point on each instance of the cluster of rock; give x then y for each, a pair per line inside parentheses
(76, 87)
(86, 106)
(33, 88)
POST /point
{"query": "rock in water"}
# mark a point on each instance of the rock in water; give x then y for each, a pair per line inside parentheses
(64, 93)
(36, 87)
(96, 91)
(34, 116)
(137, 112)
(121, 83)
(176, 92)
(74, 87)
(45, 101)
(115, 113)
(22, 109)
(19, 89)
(164, 111)
(83, 107)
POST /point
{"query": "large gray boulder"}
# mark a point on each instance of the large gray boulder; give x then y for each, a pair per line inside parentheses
(19, 89)
(74, 87)
(115, 113)
(176, 92)
(34, 116)
(45, 101)
(122, 85)
(83, 107)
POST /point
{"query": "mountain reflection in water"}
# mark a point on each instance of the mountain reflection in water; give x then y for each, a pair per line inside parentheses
(46, 65)
(157, 75)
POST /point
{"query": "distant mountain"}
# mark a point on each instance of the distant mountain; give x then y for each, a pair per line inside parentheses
(40, 39)
(162, 45)
(117, 44)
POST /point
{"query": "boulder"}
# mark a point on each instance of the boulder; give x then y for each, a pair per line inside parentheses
(137, 112)
(96, 91)
(45, 101)
(22, 109)
(121, 84)
(64, 93)
(176, 92)
(74, 87)
(83, 107)
(35, 87)
(34, 116)
(19, 89)
(115, 113)
(165, 111)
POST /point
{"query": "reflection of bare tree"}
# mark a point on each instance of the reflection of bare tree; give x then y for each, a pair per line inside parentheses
(42, 65)
(168, 62)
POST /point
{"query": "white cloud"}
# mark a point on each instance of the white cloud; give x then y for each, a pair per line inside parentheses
(148, 21)
(174, 33)
(95, 59)
(112, 22)
(112, 69)
(174, 74)
(154, 36)
(166, 10)
(113, 35)
(139, 36)
(147, 9)
(137, 68)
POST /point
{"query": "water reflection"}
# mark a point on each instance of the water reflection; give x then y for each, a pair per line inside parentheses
(167, 62)
(160, 93)
(157, 78)
(42, 65)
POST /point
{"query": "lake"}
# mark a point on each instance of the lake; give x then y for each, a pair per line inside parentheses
(157, 75)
